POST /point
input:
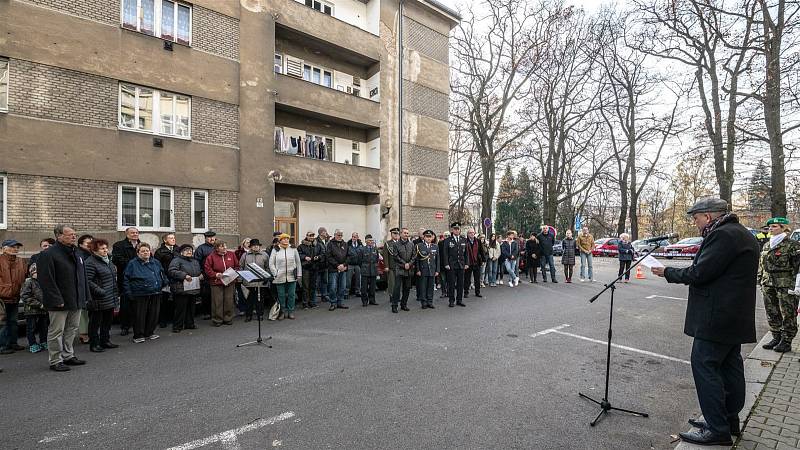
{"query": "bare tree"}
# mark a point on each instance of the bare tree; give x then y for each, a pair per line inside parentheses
(496, 54)
(465, 172)
(691, 32)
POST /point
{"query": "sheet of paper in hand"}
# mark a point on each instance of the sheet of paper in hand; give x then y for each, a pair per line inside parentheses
(229, 276)
(649, 261)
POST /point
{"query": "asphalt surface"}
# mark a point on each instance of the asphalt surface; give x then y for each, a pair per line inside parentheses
(467, 378)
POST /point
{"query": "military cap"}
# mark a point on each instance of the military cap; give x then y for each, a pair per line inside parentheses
(455, 225)
(395, 230)
(778, 221)
(708, 204)
(369, 236)
(209, 233)
(429, 233)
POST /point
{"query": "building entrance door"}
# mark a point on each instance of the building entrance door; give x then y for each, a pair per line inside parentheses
(287, 225)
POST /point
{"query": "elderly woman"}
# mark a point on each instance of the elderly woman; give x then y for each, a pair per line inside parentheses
(216, 264)
(101, 274)
(255, 255)
(183, 269)
(777, 272)
(284, 263)
(568, 256)
(142, 283)
(626, 252)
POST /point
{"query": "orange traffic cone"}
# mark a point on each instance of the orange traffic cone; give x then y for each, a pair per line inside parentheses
(639, 273)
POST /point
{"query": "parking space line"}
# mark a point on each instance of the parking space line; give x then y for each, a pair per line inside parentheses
(623, 347)
(664, 296)
(228, 438)
(550, 330)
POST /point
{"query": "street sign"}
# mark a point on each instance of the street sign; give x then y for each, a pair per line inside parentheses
(439, 215)
(487, 222)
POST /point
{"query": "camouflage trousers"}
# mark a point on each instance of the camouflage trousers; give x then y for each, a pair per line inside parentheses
(781, 311)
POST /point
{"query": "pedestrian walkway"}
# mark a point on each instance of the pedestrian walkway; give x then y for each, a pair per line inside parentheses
(774, 421)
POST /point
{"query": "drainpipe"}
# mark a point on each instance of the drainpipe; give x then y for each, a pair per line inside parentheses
(400, 114)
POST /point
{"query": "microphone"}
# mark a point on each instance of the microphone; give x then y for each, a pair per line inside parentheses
(661, 238)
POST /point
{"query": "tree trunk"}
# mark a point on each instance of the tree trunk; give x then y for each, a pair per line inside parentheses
(773, 34)
(487, 197)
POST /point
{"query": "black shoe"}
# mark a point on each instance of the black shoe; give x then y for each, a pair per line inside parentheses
(332, 307)
(424, 306)
(364, 304)
(207, 317)
(783, 347)
(735, 428)
(705, 437)
(124, 332)
(394, 309)
(176, 330)
(6, 351)
(430, 306)
(60, 367)
(162, 325)
(478, 295)
(248, 318)
(74, 361)
(450, 305)
(17, 347)
(460, 304)
(466, 294)
(109, 345)
(374, 303)
(342, 307)
(555, 281)
(96, 349)
(216, 324)
(544, 280)
(771, 344)
(404, 308)
(191, 327)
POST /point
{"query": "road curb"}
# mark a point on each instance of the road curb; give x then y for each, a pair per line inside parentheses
(758, 366)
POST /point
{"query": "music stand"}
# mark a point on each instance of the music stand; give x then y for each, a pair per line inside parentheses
(256, 273)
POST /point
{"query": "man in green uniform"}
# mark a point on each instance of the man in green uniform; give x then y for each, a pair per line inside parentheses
(777, 272)
(387, 252)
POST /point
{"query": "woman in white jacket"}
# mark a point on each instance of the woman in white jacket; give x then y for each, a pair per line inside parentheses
(284, 263)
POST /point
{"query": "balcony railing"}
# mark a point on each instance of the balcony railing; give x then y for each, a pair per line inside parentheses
(313, 146)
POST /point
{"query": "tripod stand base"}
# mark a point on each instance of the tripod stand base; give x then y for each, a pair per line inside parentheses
(605, 407)
(258, 342)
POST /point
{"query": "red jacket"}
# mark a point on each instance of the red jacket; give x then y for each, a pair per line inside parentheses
(215, 264)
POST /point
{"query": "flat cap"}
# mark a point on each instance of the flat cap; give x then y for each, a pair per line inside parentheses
(778, 221)
(209, 233)
(11, 243)
(708, 204)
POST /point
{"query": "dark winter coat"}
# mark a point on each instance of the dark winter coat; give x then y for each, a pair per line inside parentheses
(322, 248)
(308, 249)
(625, 250)
(427, 259)
(405, 253)
(177, 271)
(570, 248)
(455, 253)
(165, 255)
(102, 279)
(509, 250)
(546, 242)
(722, 285)
(480, 252)
(336, 253)
(122, 252)
(32, 297)
(202, 252)
(367, 258)
(353, 251)
(62, 277)
(143, 278)
(532, 253)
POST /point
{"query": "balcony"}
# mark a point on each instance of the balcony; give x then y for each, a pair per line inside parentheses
(300, 171)
(352, 24)
(315, 100)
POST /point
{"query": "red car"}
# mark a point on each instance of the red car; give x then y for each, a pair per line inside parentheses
(684, 248)
(606, 247)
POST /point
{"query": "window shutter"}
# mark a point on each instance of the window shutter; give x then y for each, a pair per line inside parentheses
(294, 66)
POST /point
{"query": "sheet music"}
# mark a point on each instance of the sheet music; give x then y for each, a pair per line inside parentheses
(229, 276)
(191, 285)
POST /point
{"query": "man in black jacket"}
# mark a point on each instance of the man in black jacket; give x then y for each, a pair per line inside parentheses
(404, 256)
(475, 257)
(309, 261)
(546, 242)
(454, 258)
(121, 253)
(353, 268)
(62, 278)
(202, 252)
(720, 315)
(337, 255)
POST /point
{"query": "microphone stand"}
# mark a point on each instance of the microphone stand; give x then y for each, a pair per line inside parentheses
(605, 404)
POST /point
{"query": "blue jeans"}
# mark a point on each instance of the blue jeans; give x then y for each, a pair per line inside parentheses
(337, 284)
(586, 261)
(36, 325)
(9, 332)
(322, 283)
(544, 260)
(511, 268)
(491, 271)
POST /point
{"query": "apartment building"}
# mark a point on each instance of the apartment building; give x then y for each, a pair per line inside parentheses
(237, 116)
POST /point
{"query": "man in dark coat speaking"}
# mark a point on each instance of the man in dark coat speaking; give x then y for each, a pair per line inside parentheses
(720, 315)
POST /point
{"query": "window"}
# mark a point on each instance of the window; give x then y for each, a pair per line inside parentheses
(317, 75)
(4, 84)
(199, 211)
(145, 207)
(166, 19)
(321, 6)
(355, 155)
(278, 63)
(3, 196)
(153, 111)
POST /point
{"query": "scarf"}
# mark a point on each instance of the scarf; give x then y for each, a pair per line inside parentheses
(775, 240)
(105, 259)
(715, 222)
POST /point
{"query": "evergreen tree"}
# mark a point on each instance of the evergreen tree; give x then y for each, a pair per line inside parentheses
(527, 205)
(758, 191)
(505, 217)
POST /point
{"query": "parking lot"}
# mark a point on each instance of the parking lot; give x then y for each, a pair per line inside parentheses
(504, 372)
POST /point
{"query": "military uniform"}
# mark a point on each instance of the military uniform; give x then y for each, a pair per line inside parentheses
(427, 260)
(404, 254)
(387, 252)
(454, 258)
(777, 273)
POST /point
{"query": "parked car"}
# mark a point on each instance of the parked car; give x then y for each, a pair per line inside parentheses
(684, 248)
(606, 247)
(558, 248)
(796, 235)
(642, 245)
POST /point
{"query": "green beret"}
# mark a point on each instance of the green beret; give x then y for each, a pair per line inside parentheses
(778, 221)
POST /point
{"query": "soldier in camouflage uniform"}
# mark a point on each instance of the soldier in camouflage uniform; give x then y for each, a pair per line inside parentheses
(777, 271)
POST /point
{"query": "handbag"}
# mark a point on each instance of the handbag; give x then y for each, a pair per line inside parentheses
(273, 312)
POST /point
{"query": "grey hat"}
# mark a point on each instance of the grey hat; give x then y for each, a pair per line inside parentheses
(708, 204)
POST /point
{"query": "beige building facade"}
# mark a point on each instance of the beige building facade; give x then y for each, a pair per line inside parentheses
(236, 116)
